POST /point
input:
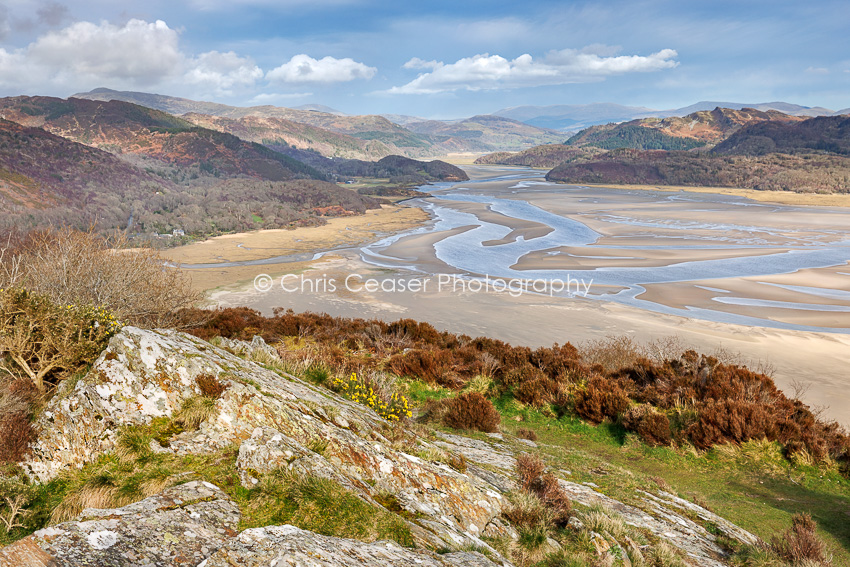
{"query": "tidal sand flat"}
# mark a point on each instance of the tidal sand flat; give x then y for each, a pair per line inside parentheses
(720, 271)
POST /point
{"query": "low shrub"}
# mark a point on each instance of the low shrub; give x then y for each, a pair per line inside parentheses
(650, 425)
(82, 268)
(601, 399)
(526, 434)
(17, 433)
(210, 386)
(800, 544)
(707, 400)
(472, 411)
(45, 342)
(392, 406)
(544, 486)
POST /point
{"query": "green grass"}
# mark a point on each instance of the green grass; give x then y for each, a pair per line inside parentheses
(753, 486)
(322, 506)
(134, 472)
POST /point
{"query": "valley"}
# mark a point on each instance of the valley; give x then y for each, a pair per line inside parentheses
(658, 264)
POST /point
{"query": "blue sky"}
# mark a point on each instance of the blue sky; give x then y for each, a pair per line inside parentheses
(435, 59)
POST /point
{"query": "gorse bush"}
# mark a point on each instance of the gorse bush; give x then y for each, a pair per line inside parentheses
(394, 408)
(45, 342)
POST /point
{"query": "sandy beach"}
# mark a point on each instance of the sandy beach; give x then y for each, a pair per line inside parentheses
(771, 282)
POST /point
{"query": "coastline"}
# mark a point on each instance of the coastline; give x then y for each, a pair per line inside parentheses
(660, 234)
(777, 197)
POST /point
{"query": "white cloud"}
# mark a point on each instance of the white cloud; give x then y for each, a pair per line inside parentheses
(817, 71)
(140, 54)
(223, 71)
(486, 71)
(417, 63)
(138, 51)
(304, 69)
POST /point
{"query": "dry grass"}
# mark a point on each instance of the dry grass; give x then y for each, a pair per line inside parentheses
(602, 520)
(195, 411)
(82, 268)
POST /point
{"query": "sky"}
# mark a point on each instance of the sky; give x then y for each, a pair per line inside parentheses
(434, 59)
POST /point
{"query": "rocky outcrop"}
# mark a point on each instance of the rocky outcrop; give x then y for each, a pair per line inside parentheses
(276, 420)
(288, 545)
(179, 527)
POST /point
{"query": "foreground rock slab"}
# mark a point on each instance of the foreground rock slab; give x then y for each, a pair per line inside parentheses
(180, 526)
(276, 420)
(287, 545)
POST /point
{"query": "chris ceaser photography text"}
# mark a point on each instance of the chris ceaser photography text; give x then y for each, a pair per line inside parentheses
(451, 283)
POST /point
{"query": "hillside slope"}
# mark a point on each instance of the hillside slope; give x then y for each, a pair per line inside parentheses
(155, 138)
(275, 452)
(578, 116)
(279, 132)
(46, 179)
(414, 139)
(49, 180)
(547, 156)
(676, 133)
(806, 173)
(484, 133)
(829, 134)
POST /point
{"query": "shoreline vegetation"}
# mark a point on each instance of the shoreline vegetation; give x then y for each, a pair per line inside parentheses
(622, 414)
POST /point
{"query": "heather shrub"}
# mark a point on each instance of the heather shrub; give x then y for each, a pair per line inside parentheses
(210, 386)
(428, 365)
(16, 429)
(800, 543)
(45, 342)
(526, 434)
(650, 425)
(544, 486)
(731, 421)
(601, 399)
(537, 392)
(654, 430)
(598, 382)
(472, 411)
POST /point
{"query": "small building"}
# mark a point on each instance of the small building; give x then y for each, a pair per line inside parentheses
(178, 232)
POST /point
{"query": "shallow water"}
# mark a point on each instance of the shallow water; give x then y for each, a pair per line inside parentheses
(809, 238)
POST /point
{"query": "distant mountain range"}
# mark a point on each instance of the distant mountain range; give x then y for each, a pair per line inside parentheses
(121, 166)
(378, 137)
(720, 148)
(579, 116)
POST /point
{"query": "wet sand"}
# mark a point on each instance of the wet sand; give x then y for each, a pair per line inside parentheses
(819, 359)
(718, 271)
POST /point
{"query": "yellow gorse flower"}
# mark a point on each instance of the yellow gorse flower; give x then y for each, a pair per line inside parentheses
(357, 390)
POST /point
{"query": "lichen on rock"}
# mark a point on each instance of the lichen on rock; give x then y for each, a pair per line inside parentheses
(181, 527)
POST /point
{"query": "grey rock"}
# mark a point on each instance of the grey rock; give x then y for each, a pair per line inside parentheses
(288, 545)
(180, 526)
(277, 422)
